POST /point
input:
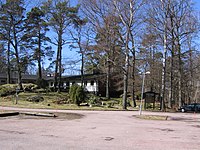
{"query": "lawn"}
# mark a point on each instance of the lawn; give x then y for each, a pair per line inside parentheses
(52, 101)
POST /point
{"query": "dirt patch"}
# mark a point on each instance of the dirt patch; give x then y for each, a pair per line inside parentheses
(68, 116)
(108, 138)
(197, 126)
(12, 132)
(39, 115)
(167, 130)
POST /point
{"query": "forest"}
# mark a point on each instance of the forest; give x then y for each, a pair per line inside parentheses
(123, 39)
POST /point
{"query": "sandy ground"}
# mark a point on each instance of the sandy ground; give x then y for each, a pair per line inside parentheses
(100, 130)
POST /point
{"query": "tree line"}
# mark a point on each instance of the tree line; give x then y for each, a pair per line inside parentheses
(121, 38)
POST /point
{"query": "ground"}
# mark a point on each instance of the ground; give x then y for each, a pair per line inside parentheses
(100, 130)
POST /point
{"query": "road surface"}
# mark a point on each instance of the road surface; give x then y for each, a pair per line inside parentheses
(100, 130)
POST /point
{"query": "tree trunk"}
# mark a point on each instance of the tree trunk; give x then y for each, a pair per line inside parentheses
(133, 70)
(18, 62)
(56, 70)
(18, 68)
(60, 68)
(164, 57)
(108, 79)
(39, 58)
(164, 72)
(126, 69)
(179, 76)
(57, 78)
(191, 93)
(125, 81)
(8, 64)
(133, 82)
(82, 68)
(171, 97)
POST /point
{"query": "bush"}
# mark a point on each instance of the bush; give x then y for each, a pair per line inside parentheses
(72, 92)
(80, 95)
(42, 83)
(110, 104)
(41, 90)
(77, 94)
(29, 87)
(36, 98)
(8, 89)
(93, 100)
(128, 102)
(64, 99)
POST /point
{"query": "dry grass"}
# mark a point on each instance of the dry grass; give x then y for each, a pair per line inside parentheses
(48, 103)
(152, 117)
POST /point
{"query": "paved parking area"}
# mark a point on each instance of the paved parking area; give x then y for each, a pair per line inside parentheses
(100, 130)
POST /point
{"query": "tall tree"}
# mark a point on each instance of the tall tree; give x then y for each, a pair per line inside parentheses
(5, 30)
(174, 21)
(35, 37)
(59, 15)
(13, 15)
(127, 11)
(105, 27)
(79, 42)
(108, 44)
(2, 58)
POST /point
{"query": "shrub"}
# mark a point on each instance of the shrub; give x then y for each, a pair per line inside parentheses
(29, 87)
(72, 92)
(36, 98)
(42, 83)
(63, 99)
(41, 90)
(76, 94)
(128, 102)
(8, 89)
(93, 100)
(80, 95)
(110, 104)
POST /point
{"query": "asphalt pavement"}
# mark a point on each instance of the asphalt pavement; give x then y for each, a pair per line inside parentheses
(99, 130)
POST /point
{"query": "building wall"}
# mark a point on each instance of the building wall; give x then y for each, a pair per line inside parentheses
(89, 85)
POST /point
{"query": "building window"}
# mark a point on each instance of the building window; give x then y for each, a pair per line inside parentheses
(51, 83)
(92, 82)
(67, 84)
(3, 81)
(85, 83)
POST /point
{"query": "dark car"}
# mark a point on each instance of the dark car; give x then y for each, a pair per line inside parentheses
(194, 107)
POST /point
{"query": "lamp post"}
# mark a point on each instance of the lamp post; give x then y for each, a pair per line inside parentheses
(143, 79)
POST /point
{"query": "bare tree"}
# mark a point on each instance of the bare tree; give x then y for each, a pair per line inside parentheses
(127, 11)
(105, 26)
(174, 20)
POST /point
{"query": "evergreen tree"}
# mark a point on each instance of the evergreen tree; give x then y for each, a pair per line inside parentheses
(60, 15)
(12, 13)
(35, 37)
